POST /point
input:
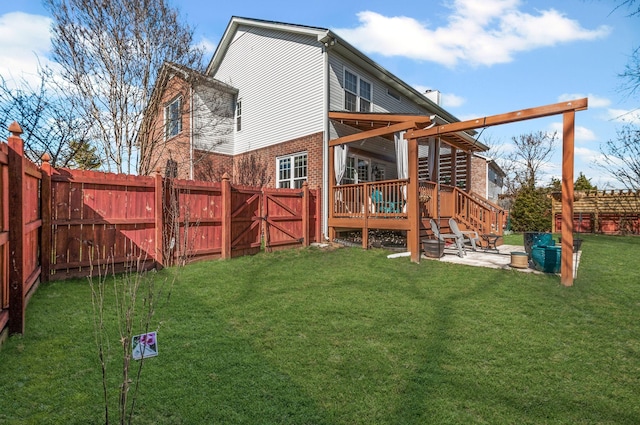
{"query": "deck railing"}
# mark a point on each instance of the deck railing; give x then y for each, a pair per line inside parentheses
(479, 213)
(382, 199)
(387, 199)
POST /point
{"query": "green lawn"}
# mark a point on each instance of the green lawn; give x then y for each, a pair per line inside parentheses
(350, 337)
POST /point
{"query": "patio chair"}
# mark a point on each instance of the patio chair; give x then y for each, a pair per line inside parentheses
(382, 205)
(444, 236)
(466, 235)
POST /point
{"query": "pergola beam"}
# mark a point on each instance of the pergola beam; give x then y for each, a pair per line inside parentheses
(379, 117)
(381, 131)
(509, 117)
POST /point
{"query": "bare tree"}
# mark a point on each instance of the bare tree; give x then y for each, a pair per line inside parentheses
(50, 121)
(531, 152)
(500, 154)
(621, 157)
(110, 53)
(248, 170)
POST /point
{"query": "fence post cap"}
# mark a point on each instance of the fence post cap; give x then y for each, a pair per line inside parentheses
(15, 129)
(225, 176)
(45, 157)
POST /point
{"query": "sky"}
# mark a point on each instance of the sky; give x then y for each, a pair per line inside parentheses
(486, 57)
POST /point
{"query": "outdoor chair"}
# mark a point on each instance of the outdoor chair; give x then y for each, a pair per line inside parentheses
(466, 235)
(383, 205)
(457, 240)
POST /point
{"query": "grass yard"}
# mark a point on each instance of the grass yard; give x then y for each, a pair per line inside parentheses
(350, 337)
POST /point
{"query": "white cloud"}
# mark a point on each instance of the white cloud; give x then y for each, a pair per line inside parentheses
(24, 45)
(477, 33)
(447, 100)
(208, 46)
(450, 100)
(586, 155)
(594, 101)
(581, 134)
(624, 116)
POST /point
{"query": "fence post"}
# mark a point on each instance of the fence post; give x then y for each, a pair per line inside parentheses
(226, 216)
(45, 214)
(318, 214)
(16, 230)
(159, 220)
(305, 214)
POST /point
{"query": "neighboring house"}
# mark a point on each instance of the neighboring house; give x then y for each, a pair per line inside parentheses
(487, 179)
(191, 114)
(295, 88)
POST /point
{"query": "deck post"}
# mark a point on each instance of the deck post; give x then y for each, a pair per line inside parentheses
(566, 269)
(366, 196)
(331, 195)
(413, 210)
(17, 303)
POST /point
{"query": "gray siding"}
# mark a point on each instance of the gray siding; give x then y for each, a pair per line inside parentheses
(213, 121)
(382, 101)
(280, 81)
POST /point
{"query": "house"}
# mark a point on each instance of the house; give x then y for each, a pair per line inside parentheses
(488, 178)
(305, 106)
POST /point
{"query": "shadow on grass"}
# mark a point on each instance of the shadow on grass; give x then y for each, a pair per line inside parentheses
(422, 396)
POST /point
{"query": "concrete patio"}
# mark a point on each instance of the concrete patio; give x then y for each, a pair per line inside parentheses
(495, 259)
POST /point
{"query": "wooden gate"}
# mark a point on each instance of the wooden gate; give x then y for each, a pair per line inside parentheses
(245, 215)
(290, 217)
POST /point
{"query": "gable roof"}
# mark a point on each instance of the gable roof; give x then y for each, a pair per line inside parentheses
(329, 38)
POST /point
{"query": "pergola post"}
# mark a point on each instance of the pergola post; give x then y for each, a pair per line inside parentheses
(413, 209)
(568, 131)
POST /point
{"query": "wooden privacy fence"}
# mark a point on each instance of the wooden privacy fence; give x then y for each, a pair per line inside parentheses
(21, 233)
(601, 211)
(138, 221)
(68, 223)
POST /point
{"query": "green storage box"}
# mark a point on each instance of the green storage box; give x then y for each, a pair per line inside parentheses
(546, 258)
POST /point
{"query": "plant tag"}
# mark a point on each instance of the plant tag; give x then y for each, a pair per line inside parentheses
(144, 345)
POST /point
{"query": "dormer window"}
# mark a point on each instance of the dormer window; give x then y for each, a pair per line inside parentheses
(357, 93)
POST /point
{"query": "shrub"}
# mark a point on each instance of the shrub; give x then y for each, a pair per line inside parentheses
(531, 211)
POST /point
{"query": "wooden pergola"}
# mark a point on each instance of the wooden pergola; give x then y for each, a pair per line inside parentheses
(419, 127)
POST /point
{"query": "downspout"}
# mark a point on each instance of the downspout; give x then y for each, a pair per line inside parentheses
(325, 141)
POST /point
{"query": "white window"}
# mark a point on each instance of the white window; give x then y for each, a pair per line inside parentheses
(173, 118)
(292, 170)
(239, 115)
(358, 170)
(357, 93)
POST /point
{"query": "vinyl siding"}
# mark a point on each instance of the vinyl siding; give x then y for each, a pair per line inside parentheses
(213, 120)
(280, 81)
(382, 101)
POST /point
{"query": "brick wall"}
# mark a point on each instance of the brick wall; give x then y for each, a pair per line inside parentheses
(177, 147)
(212, 165)
(479, 176)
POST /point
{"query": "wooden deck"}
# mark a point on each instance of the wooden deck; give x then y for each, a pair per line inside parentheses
(384, 205)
